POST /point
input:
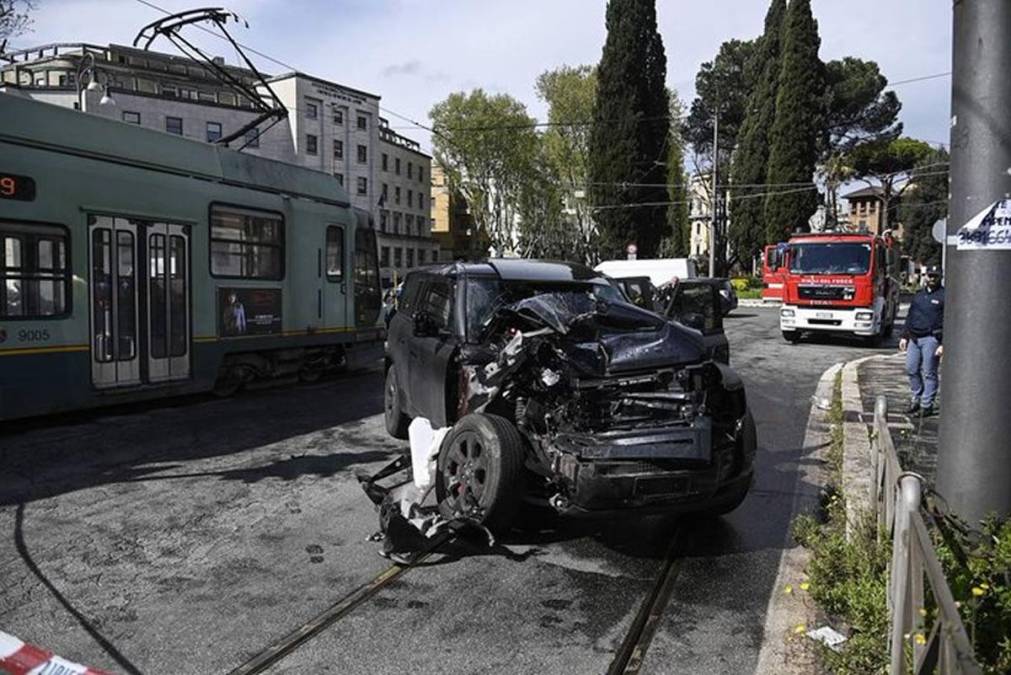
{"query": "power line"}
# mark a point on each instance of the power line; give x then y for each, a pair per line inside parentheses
(919, 79)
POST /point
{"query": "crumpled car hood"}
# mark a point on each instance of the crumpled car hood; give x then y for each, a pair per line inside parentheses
(608, 337)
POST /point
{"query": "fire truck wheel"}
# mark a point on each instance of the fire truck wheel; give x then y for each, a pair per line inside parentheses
(791, 336)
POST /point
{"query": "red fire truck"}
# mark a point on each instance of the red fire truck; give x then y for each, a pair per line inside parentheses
(773, 271)
(837, 282)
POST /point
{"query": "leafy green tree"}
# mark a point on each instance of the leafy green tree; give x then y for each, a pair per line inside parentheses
(887, 164)
(630, 132)
(749, 167)
(798, 124)
(570, 93)
(722, 86)
(858, 110)
(543, 230)
(924, 203)
(489, 148)
(676, 242)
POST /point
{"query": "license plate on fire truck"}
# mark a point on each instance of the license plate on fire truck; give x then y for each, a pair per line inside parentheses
(823, 315)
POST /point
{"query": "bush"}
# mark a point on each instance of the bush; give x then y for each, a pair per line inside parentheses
(740, 283)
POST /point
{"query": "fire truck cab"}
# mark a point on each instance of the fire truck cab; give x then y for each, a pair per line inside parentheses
(837, 282)
(773, 272)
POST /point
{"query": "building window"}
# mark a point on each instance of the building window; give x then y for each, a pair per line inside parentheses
(338, 116)
(410, 257)
(408, 223)
(213, 132)
(385, 193)
(338, 149)
(340, 179)
(421, 256)
(253, 138)
(410, 170)
(363, 122)
(383, 217)
(311, 144)
(363, 185)
(174, 125)
(421, 201)
(246, 243)
(396, 194)
(363, 154)
(169, 90)
(396, 222)
(34, 272)
(410, 198)
(335, 253)
(384, 256)
(398, 257)
(396, 165)
(386, 162)
(421, 174)
(131, 117)
(311, 109)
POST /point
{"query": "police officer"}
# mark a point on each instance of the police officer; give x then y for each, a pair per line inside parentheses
(921, 340)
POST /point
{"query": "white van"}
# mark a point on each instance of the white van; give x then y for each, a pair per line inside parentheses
(659, 271)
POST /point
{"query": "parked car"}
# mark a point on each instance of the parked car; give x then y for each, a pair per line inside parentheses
(558, 391)
(728, 297)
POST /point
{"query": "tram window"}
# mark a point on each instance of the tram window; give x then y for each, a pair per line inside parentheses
(33, 271)
(246, 244)
(335, 253)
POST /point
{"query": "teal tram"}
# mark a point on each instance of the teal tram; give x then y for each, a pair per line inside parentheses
(135, 264)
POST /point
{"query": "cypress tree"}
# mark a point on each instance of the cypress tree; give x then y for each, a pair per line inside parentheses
(629, 136)
(750, 161)
(793, 147)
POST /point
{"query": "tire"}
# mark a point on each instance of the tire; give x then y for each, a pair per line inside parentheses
(481, 464)
(791, 336)
(730, 501)
(396, 420)
(890, 327)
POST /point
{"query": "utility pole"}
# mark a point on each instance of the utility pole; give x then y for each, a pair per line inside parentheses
(974, 462)
(714, 198)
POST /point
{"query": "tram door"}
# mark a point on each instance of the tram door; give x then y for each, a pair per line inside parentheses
(139, 301)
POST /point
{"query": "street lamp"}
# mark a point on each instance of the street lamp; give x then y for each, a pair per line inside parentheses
(88, 68)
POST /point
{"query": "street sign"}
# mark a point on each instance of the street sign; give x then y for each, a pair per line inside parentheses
(940, 227)
(631, 250)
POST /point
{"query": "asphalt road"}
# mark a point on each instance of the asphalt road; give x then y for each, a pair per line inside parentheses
(186, 536)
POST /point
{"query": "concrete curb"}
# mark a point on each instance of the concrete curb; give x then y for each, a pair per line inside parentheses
(781, 651)
(752, 302)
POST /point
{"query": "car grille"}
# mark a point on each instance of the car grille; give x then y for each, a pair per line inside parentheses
(825, 292)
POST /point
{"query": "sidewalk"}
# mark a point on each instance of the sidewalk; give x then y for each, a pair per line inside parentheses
(915, 438)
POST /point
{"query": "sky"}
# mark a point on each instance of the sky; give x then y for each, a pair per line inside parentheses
(413, 53)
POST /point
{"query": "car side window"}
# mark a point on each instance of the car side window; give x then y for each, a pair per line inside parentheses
(697, 305)
(438, 302)
(408, 299)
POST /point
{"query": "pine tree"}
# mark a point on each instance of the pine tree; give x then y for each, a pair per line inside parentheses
(629, 136)
(750, 161)
(793, 147)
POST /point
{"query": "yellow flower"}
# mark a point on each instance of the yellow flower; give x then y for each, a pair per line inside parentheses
(985, 587)
(920, 639)
(800, 628)
(977, 591)
(804, 586)
(788, 589)
(923, 611)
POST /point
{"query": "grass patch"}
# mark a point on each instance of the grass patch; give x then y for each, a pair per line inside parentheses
(847, 577)
(750, 294)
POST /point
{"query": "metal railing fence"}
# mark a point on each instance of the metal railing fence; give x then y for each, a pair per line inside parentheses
(915, 569)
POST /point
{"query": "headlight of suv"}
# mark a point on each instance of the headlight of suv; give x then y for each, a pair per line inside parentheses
(865, 316)
(786, 312)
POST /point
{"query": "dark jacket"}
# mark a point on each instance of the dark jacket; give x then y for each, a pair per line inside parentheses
(926, 314)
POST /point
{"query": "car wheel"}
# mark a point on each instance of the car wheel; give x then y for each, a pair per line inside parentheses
(791, 336)
(729, 501)
(480, 469)
(396, 420)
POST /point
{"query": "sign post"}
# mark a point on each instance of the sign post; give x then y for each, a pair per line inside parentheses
(974, 459)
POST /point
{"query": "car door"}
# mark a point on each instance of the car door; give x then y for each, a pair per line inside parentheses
(430, 349)
(696, 304)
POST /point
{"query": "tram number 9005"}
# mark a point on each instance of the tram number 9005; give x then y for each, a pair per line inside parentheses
(40, 335)
(21, 188)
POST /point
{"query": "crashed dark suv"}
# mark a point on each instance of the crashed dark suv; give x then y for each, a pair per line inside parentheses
(558, 391)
